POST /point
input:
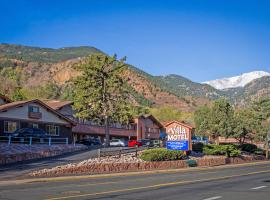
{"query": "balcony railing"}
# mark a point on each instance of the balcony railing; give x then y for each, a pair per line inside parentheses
(90, 123)
(33, 140)
(35, 115)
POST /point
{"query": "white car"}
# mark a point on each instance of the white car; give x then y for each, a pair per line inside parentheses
(117, 143)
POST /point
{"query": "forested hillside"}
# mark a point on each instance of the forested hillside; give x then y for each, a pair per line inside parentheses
(33, 72)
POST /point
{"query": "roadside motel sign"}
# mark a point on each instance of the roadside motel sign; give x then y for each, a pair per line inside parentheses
(178, 136)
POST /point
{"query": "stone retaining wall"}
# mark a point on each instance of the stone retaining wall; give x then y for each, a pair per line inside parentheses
(21, 152)
(101, 168)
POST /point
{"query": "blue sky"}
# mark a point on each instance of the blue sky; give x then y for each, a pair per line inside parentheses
(198, 39)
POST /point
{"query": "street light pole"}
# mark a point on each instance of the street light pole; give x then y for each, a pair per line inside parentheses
(267, 146)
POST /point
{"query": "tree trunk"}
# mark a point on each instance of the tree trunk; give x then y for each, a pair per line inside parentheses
(107, 131)
(267, 147)
(216, 140)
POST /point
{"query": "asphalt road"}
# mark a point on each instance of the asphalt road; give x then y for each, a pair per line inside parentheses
(242, 182)
(21, 169)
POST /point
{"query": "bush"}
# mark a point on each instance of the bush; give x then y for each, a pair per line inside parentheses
(259, 151)
(228, 150)
(161, 154)
(251, 148)
(191, 163)
(197, 147)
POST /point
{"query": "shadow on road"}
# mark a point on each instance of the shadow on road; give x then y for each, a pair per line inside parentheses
(18, 169)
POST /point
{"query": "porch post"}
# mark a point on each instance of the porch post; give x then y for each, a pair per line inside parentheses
(9, 139)
(30, 141)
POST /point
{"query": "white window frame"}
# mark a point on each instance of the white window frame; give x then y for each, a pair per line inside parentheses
(52, 130)
(35, 125)
(9, 131)
(34, 109)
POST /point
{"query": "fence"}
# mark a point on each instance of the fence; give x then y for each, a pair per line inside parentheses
(119, 152)
(33, 140)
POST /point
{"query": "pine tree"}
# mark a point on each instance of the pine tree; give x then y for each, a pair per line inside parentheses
(221, 118)
(100, 92)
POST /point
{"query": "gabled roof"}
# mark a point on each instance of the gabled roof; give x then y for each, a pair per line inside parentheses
(153, 119)
(180, 123)
(11, 105)
(21, 103)
(58, 104)
(8, 100)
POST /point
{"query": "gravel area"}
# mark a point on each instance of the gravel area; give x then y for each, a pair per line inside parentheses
(127, 158)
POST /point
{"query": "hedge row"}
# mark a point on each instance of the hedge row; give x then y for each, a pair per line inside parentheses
(161, 154)
(228, 150)
(212, 149)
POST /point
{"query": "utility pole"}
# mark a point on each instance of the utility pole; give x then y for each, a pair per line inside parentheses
(267, 146)
(267, 138)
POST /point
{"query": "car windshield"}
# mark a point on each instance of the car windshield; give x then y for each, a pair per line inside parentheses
(22, 130)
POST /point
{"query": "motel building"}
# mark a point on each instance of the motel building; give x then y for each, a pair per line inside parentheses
(57, 119)
(142, 127)
(33, 114)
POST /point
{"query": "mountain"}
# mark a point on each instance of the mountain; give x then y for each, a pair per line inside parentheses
(256, 89)
(45, 73)
(44, 55)
(182, 86)
(236, 81)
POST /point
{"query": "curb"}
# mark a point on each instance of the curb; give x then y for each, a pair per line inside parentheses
(65, 178)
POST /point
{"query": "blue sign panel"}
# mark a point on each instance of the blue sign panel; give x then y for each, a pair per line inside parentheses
(182, 145)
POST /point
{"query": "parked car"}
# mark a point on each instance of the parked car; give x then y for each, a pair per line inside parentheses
(117, 143)
(134, 143)
(30, 132)
(90, 142)
(155, 143)
(145, 142)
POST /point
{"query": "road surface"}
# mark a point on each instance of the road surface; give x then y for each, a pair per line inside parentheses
(241, 182)
(19, 170)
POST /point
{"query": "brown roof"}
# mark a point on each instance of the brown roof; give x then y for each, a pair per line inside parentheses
(13, 104)
(57, 104)
(178, 122)
(21, 103)
(8, 100)
(153, 119)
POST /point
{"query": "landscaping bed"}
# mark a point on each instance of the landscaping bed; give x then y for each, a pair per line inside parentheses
(125, 163)
(20, 152)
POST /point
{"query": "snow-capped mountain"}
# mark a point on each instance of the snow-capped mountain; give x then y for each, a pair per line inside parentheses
(236, 81)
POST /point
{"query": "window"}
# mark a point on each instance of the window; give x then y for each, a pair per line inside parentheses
(53, 130)
(10, 126)
(34, 125)
(34, 109)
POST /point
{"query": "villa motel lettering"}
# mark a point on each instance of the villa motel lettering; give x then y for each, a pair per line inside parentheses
(179, 136)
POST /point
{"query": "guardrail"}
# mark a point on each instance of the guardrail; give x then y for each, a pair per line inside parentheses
(119, 152)
(33, 140)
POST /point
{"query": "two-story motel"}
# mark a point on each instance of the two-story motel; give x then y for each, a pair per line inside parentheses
(141, 127)
(57, 119)
(33, 114)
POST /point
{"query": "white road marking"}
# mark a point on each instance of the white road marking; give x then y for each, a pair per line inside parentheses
(260, 187)
(213, 198)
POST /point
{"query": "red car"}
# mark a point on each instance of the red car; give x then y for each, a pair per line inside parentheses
(134, 143)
